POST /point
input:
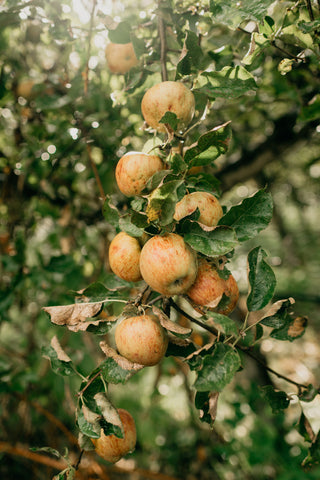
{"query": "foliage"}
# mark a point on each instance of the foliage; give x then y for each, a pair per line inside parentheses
(254, 70)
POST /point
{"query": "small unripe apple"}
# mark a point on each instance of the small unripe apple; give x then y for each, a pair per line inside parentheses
(168, 265)
(208, 205)
(120, 57)
(124, 257)
(165, 97)
(141, 339)
(209, 288)
(133, 171)
(112, 448)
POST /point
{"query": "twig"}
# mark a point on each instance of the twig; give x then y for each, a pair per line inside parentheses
(163, 47)
(35, 457)
(86, 72)
(89, 383)
(309, 7)
(96, 173)
(245, 350)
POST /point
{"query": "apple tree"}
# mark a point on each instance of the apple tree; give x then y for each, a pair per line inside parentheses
(190, 112)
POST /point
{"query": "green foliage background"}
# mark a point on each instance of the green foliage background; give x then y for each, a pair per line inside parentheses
(258, 62)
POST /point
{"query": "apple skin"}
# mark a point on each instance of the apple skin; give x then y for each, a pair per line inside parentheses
(165, 97)
(112, 448)
(209, 288)
(141, 339)
(124, 257)
(208, 205)
(168, 265)
(120, 57)
(133, 171)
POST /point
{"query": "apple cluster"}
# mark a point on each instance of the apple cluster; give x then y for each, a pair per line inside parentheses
(164, 261)
(167, 264)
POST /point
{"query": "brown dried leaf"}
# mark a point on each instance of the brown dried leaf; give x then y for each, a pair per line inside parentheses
(298, 326)
(207, 346)
(73, 314)
(213, 405)
(109, 412)
(55, 344)
(271, 310)
(169, 324)
(123, 362)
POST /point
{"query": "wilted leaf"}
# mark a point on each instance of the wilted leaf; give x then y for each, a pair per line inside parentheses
(74, 316)
(293, 328)
(169, 325)
(60, 361)
(85, 442)
(251, 216)
(218, 369)
(261, 278)
(117, 368)
(309, 394)
(276, 315)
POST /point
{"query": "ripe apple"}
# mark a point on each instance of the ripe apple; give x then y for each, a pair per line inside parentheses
(208, 205)
(168, 265)
(112, 448)
(120, 57)
(141, 339)
(209, 288)
(133, 171)
(124, 257)
(165, 97)
(232, 296)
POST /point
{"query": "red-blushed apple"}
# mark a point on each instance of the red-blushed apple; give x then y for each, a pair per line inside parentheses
(209, 289)
(120, 57)
(112, 448)
(124, 257)
(141, 339)
(165, 97)
(168, 265)
(208, 205)
(133, 171)
(231, 296)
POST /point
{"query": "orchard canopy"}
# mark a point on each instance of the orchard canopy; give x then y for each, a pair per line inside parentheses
(159, 239)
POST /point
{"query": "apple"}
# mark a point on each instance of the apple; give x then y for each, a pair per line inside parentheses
(112, 448)
(141, 339)
(209, 288)
(120, 57)
(208, 205)
(133, 171)
(168, 265)
(231, 297)
(124, 257)
(165, 97)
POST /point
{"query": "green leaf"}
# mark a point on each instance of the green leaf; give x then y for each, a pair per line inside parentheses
(313, 457)
(171, 119)
(91, 430)
(212, 243)
(192, 55)
(277, 400)
(251, 216)
(293, 329)
(203, 181)
(232, 12)
(96, 292)
(133, 224)
(110, 212)
(309, 394)
(209, 146)
(261, 278)
(218, 369)
(121, 34)
(177, 164)
(224, 324)
(230, 82)
(162, 202)
(279, 319)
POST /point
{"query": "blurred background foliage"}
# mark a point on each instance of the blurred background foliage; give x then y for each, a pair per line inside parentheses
(63, 117)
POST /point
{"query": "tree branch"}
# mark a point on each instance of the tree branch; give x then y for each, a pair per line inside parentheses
(163, 47)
